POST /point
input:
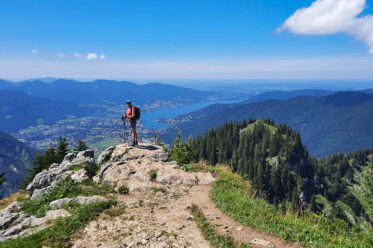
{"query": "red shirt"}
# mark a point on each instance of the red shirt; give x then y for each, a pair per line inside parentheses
(130, 113)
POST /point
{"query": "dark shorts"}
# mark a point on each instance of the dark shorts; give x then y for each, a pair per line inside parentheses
(133, 123)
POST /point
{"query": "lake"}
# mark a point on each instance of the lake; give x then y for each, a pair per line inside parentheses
(149, 119)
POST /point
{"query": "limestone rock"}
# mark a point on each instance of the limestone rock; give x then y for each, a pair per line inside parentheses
(47, 179)
(9, 214)
(80, 176)
(23, 224)
(131, 166)
(105, 155)
(79, 199)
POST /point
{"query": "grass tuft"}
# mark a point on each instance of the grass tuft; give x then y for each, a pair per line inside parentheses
(152, 174)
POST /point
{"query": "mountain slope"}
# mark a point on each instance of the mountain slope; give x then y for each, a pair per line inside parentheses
(108, 91)
(15, 158)
(280, 169)
(283, 95)
(337, 123)
(19, 110)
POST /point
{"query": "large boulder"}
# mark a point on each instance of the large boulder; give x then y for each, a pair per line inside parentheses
(44, 181)
(132, 167)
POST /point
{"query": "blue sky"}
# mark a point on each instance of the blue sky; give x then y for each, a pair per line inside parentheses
(176, 39)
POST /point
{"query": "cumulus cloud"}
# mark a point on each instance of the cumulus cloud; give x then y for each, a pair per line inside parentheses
(331, 17)
(34, 51)
(91, 56)
(102, 56)
(77, 55)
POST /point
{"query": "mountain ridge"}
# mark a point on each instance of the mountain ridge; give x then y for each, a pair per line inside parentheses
(328, 124)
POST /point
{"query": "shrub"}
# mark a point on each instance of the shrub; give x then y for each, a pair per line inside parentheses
(91, 169)
(124, 190)
(153, 174)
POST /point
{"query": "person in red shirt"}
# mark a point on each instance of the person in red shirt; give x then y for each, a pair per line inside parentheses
(130, 115)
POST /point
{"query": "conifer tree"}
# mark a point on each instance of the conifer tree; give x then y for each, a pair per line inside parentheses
(80, 146)
(61, 150)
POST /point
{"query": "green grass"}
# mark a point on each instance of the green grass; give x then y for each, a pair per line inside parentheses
(210, 234)
(66, 188)
(152, 174)
(252, 126)
(62, 232)
(160, 189)
(105, 143)
(115, 211)
(232, 195)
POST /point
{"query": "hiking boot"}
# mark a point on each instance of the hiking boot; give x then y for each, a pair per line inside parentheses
(136, 143)
(133, 143)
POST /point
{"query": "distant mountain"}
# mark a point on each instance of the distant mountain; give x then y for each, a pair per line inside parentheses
(341, 122)
(15, 158)
(283, 95)
(19, 110)
(109, 91)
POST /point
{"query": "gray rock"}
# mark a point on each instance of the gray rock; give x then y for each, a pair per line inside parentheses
(26, 225)
(80, 176)
(58, 203)
(47, 179)
(79, 199)
(105, 155)
(9, 215)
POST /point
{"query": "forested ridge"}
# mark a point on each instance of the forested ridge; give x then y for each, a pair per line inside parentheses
(281, 170)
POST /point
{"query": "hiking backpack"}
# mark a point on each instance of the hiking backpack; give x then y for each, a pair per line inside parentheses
(137, 113)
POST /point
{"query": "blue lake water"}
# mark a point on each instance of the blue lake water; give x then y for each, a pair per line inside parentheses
(149, 119)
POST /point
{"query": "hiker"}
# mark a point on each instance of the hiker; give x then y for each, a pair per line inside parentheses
(132, 115)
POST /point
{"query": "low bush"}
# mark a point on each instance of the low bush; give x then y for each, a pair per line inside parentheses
(124, 190)
(152, 174)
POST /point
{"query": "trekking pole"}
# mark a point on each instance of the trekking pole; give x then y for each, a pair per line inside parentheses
(125, 137)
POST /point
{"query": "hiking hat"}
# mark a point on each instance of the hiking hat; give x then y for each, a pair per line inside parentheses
(128, 101)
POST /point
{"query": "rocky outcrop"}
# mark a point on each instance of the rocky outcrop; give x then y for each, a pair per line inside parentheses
(140, 168)
(14, 223)
(47, 179)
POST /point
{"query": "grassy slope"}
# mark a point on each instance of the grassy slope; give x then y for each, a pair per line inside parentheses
(232, 194)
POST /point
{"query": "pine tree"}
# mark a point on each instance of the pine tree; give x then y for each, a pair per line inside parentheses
(313, 204)
(295, 200)
(61, 150)
(80, 146)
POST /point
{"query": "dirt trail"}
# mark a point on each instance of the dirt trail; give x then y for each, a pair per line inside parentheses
(164, 220)
(226, 225)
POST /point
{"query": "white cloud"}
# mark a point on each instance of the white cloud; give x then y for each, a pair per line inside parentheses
(330, 17)
(34, 51)
(91, 56)
(61, 55)
(102, 56)
(77, 55)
